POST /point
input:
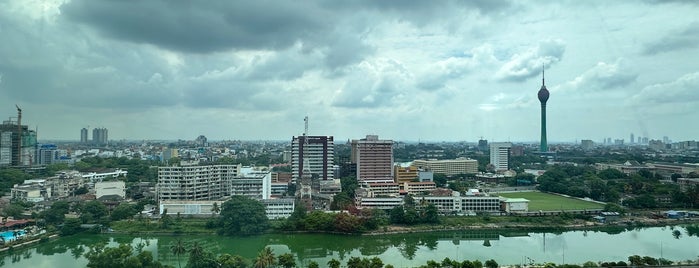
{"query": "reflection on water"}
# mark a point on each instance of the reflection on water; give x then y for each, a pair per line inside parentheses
(513, 247)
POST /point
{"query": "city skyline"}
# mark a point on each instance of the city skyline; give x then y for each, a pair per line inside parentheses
(406, 71)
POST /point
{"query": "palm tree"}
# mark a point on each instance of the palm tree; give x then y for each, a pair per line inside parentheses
(333, 263)
(265, 258)
(215, 209)
(178, 249)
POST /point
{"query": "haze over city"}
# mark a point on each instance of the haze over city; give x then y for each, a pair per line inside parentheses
(404, 70)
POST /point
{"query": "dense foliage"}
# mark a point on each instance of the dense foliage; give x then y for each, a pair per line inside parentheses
(411, 213)
(242, 215)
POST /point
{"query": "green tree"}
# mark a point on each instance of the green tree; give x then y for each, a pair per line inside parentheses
(376, 263)
(265, 258)
(431, 214)
(94, 210)
(177, 247)
(200, 258)
(13, 210)
(234, 261)
(70, 226)
(123, 211)
(243, 216)
(120, 257)
(165, 220)
(333, 263)
(286, 260)
(313, 264)
(491, 264)
(215, 209)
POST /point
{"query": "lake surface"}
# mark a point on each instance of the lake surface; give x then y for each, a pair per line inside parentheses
(400, 250)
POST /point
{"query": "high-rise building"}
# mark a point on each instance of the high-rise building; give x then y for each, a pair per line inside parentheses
(319, 151)
(499, 155)
(83, 135)
(100, 136)
(631, 139)
(17, 144)
(374, 158)
(543, 97)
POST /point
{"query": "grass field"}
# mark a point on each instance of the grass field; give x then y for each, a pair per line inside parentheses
(544, 201)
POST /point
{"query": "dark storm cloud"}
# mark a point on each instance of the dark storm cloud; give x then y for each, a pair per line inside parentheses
(202, 28)
(683, 39)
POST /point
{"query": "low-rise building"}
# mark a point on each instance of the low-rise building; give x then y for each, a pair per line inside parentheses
(449, 167)
(278, 208)
(104, 188)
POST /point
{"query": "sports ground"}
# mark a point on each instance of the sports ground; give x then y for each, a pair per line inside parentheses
(547, 202)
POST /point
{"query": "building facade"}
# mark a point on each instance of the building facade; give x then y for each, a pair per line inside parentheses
(319, 153)
(449, 167)
(500, 155)
(374, 159)
(196, 182)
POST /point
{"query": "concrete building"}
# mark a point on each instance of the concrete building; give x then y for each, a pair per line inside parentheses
(113, 188)
(196, 182)
(500, 155)
(278, 208)
(451, 205)
(100, 136)
(47, 154)
(405, 173)
(374, 159)
(83, 135)
(17, 144)
(449, 167)
(513, 205)
(256, 185)
(188, 207)
(418, 188)
(319, 153)
(168, 153)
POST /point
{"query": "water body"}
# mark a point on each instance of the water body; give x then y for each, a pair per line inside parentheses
(400, 250)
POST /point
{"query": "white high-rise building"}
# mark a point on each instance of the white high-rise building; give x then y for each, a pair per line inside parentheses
(499, 155)
(320, 152)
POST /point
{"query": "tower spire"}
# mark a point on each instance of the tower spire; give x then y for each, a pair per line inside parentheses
(543, 67)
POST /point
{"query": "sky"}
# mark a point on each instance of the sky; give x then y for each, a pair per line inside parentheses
(404, 70)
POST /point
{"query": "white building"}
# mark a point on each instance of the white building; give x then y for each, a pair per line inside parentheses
(212, 182)
(449, 167)
(278, 208)
(104, 188)
(454, 204)
(500, 155)
(516, 205)
(189, 207)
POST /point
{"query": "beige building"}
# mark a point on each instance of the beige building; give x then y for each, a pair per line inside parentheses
(104, 188)
(374, 159)
(449, 167)
(405, 174)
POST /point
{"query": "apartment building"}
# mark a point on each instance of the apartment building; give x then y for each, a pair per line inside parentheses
(196, 182)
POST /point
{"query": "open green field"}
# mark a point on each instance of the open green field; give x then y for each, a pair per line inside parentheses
(544, 201)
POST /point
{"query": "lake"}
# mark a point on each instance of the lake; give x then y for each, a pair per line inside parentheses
(400, 250)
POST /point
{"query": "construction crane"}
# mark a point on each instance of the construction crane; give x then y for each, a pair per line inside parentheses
(19, 135)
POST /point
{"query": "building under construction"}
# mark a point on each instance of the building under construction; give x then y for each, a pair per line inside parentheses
(17, 142)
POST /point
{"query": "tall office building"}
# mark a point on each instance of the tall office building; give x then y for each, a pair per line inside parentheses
(100, 136)
(374, 158)
(543, 97)
(83, 135)
(499, 155)
(318, 150)
(631, 139)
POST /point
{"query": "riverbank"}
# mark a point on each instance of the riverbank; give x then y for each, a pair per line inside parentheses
(629, 222)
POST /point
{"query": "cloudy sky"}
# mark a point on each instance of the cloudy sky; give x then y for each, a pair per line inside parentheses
(405, 70)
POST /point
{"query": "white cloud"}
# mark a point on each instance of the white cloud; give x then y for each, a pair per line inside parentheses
(528, 63)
